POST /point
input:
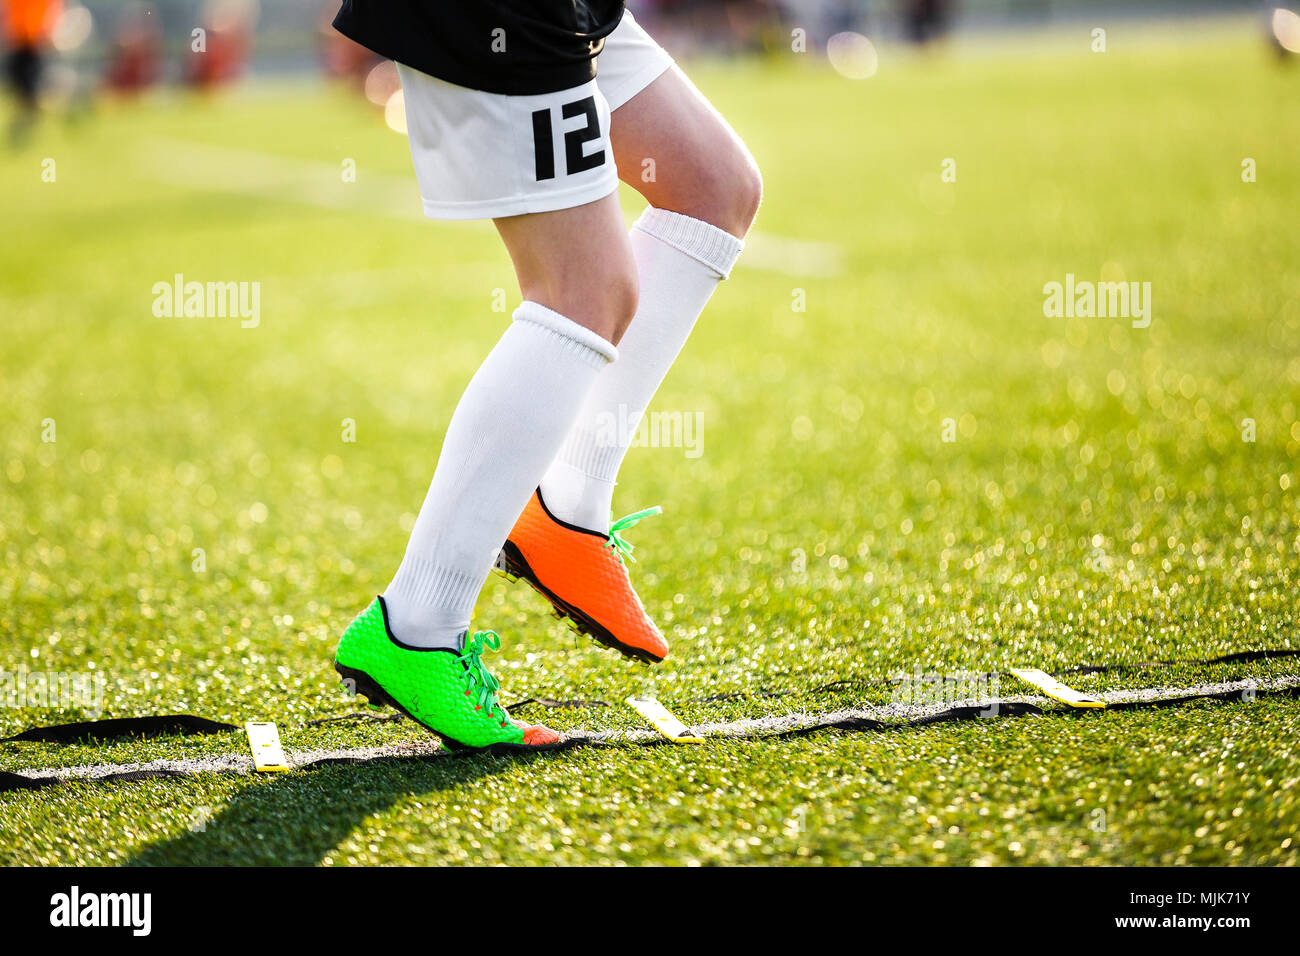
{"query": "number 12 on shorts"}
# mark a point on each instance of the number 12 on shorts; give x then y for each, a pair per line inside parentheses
(576, 158)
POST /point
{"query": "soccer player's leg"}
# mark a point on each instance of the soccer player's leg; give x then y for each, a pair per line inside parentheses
(412, 648)
(23, 70)
(579, 570)
(558, 214)
(703, 197)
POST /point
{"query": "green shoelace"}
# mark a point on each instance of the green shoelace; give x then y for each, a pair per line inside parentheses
(620, 546)
(476, 675)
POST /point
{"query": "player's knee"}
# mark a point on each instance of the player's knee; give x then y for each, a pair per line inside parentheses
(621, 296)
(605, 303)
(746, 196)
(729, 194)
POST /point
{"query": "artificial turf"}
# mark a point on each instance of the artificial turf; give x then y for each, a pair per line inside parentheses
(1098, 503)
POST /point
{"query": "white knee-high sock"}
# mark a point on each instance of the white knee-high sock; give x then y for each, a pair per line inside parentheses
(505, 431)
(680, 261)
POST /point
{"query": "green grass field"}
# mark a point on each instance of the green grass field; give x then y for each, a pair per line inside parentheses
(1098, 503)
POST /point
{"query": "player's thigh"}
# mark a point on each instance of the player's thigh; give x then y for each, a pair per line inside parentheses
(542, 168)
(673, 147)
(577, 261)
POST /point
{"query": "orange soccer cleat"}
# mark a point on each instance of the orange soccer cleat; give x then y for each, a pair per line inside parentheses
(582, 573)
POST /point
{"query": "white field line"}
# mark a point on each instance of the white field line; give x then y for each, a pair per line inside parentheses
(243, 172)
(807, 258)
(751, 728)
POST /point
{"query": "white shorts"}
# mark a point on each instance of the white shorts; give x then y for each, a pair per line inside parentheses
(487, 155)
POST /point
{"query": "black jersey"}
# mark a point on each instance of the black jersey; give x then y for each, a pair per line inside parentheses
(519, 47)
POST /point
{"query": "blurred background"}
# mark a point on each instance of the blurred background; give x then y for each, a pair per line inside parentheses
(64, 52)
(907, 461)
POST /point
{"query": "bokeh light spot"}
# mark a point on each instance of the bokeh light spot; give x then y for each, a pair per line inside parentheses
(852, 55)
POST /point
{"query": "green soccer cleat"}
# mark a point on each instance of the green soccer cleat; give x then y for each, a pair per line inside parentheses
(447, 691)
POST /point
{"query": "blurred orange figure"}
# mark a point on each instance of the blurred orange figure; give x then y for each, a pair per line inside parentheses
(30, 22)
(27, 28)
